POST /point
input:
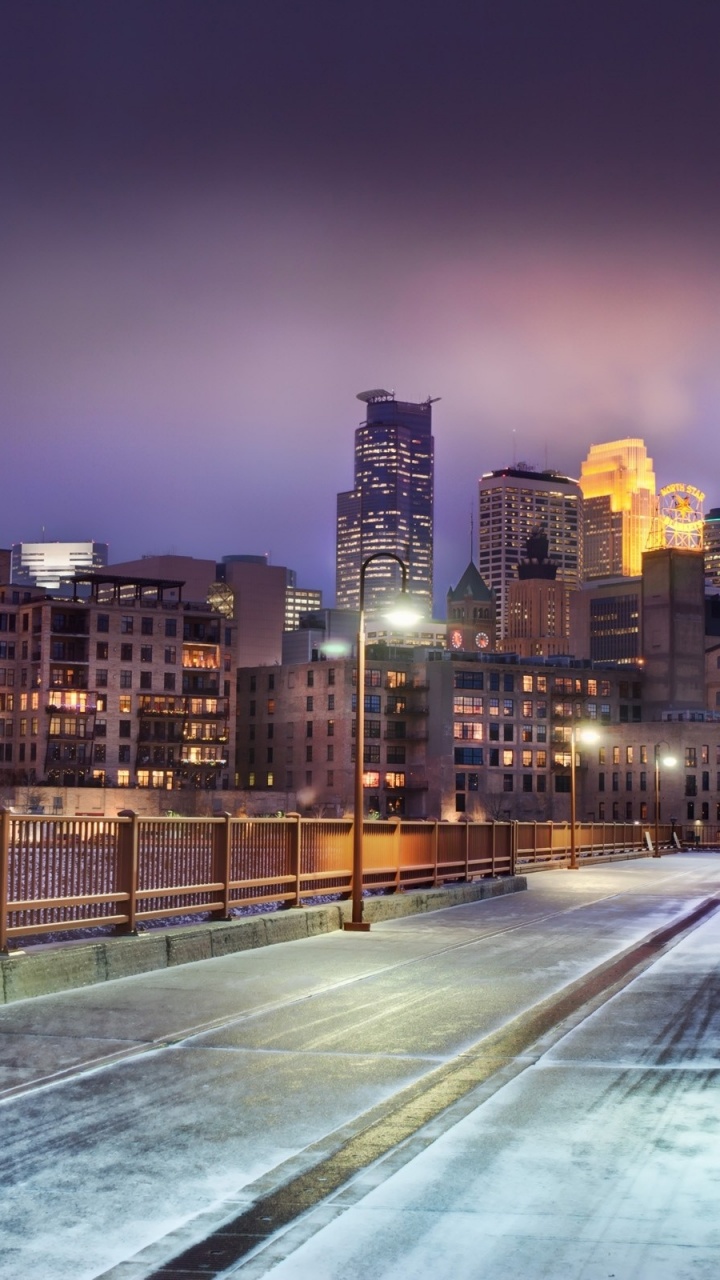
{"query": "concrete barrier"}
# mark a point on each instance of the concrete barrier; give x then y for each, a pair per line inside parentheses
(46, 969)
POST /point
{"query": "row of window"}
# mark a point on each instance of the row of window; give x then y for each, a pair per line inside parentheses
(371, 754)
(505, 757)
(127, 624)
(508, 682)
(693, 756)
(691, 782)
(309, 679)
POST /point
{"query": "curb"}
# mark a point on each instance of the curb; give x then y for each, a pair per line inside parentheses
(65, 966)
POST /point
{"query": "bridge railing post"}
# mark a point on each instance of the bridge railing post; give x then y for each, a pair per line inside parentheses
(5, 816)
(128, 865)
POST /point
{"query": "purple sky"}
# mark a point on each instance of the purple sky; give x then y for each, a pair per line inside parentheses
(222, 219)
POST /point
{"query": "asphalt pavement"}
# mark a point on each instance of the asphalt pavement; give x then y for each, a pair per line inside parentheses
(524, 1085)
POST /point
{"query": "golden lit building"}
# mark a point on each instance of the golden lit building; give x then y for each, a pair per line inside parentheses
(618, 484)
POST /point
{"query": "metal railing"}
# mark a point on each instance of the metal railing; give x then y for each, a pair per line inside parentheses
(59, 874)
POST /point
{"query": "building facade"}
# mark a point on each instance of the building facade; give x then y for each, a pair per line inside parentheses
(390, 507)
(616, 777)
(446, 735)
(261, 599)
(514, 504)
(123, 689)
(711, 538)
(605, 621)
(471, 622)
(673, 630)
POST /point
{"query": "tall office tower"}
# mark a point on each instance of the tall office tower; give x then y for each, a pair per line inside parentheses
(514, 504)
(711, 539)
(620, 509)
(49, 564)
(390, 507)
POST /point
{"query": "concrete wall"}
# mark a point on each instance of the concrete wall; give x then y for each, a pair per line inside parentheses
(67, 965)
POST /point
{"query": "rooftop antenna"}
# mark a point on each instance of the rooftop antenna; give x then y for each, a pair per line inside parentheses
(546, 456)
(514, 447)
(472, 536)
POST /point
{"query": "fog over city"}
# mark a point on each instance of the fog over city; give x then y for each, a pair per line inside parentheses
(222, 222)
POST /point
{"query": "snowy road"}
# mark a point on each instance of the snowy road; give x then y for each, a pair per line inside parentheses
(140, 1115)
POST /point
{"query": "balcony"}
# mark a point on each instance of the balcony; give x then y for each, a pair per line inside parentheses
(69, 625)
(71, 703)
(69, 679)
(196, 658)
(160, 706)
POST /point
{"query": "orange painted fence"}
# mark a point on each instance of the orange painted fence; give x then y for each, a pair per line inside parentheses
(61, 873)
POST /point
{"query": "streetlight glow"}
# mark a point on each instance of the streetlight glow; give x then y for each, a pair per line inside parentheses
(403, 615)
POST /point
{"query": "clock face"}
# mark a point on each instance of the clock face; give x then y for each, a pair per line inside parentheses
(482, 640)
(456, 639)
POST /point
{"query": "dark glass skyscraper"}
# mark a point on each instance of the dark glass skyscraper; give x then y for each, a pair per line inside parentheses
(391, 506)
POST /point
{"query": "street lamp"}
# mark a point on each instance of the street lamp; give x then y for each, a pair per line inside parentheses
(402, 615)
(669, 762)
(576, 735)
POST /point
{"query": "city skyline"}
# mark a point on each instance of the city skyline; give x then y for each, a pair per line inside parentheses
(220, 224)
(454, 552)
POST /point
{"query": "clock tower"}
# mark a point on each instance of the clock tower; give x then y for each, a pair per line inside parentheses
(470, 615)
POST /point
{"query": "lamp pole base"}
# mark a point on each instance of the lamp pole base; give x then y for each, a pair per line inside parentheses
(357, 926)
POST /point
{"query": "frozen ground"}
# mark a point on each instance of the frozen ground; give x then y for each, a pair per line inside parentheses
(136, 1114)
(600, 1160)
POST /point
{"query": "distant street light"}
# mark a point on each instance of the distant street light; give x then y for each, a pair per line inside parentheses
(577, 734)
(403, 615)
(669, 762)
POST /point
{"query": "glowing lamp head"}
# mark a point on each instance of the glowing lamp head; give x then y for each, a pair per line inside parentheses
(588, 735)
(668, 762)
(403, 614)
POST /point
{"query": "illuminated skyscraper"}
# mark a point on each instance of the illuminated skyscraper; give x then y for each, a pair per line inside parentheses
(620, 508)
(50, 564)
(391, 506)
(516, 504)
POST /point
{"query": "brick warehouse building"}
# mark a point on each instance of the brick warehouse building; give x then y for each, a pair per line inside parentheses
(123, 688)
(445, 735)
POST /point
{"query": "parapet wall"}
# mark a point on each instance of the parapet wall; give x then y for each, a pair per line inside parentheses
(49, 968)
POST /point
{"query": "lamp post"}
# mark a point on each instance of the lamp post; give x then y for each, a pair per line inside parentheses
(582, 735)
(669, 762)
(405, 616)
